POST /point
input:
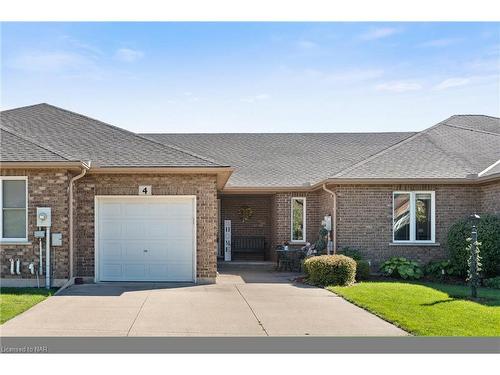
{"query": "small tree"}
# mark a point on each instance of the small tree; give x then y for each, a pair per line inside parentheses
(321, 242)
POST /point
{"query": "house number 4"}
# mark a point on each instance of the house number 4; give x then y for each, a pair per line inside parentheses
(145, 190)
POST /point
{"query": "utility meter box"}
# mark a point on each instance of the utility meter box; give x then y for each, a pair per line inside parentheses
(43, 217)
(327, 222)
(56, 239)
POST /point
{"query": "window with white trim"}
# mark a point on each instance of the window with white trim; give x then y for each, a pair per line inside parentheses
(13, 203)
(298, 219)
(413, 216)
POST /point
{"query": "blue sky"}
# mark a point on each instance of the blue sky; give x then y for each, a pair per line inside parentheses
(255, 77)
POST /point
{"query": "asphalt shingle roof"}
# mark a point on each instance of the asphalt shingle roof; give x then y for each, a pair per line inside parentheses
(454, 148)
(283, 159)
(12, 146)
(77, 137)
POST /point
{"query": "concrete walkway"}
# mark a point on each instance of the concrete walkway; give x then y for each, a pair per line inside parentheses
(242, 303)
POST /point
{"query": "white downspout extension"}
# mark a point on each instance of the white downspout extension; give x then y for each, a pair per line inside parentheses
(47, 258)
(334, 226)
(71, 239)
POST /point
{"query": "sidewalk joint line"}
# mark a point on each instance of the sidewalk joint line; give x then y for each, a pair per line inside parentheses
(253, 312)
(138, 312)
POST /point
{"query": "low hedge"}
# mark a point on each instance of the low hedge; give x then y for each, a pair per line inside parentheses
(362, 266)
(330, 270)
(362, 270)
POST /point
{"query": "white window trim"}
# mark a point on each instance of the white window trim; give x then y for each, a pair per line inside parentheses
(304, 230)
(20, 239)
(412, 239)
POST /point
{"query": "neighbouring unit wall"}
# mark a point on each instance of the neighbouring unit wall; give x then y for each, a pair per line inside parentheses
(46, 188)
(203, 186)
(364, 219)
(490, 198)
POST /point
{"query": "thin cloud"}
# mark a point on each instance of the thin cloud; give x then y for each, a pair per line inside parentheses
(382, 32)
(443, 42)
(128, 55)
(399, 86)
(306, 44)
(344, 76)
(256, 98)
(452, 82)
(50, 61)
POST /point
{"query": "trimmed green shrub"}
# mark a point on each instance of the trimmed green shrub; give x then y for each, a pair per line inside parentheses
(488, 233)
(351, 253)
(362, 270)
(362, 266)
(401, 268)
(493, 282)
(440, 269)
(330, 270)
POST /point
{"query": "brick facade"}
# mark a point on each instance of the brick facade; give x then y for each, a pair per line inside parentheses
(281, 216)
(203, 186)
(364, 219)
(46, 188)
(490, 198)
(364, 216)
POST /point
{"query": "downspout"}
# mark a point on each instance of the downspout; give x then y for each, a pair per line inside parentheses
(334, 219)
(71, 214)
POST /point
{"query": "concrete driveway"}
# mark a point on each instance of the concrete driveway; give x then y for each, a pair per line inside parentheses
(242, 303)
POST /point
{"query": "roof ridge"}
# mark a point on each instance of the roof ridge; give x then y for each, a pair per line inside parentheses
(23, 107)
(130, 132)
(472, 129)
(385, 150)
(275, 133)
(475, 114)
(45, 147)
(488, 168)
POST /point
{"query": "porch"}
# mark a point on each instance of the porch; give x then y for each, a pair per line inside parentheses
(251, 232)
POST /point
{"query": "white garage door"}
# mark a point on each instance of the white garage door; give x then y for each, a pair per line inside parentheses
(145, 238)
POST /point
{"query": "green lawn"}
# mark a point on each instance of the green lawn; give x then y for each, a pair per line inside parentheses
(13, 301)
(429, 309)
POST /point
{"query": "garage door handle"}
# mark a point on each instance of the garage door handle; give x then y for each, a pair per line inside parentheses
(145, 251)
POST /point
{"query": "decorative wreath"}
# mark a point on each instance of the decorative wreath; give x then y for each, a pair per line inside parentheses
(245, 213)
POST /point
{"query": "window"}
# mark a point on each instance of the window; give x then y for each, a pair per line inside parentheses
(13, 218)
(413, 216)
(298, 218)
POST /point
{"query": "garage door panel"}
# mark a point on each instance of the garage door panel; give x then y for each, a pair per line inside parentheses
(134, 271)
(110, 229)
(176, 271)
(110, 250)
(144, 239)
(112, 270)
(180, 210)
(111, 210)
(157, 229)
(177, 250)
(181, 228)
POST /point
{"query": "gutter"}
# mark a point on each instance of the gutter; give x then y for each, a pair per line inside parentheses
(84, 170)
(334, 219)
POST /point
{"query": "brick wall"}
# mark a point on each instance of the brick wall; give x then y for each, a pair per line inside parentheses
(46, 188)
(317, 205)
(203, 186)
(364, 218)
(258, 225)
(490, 198)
